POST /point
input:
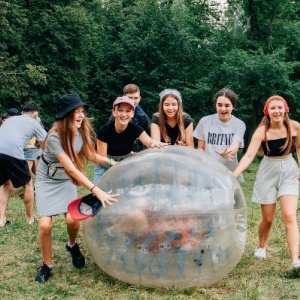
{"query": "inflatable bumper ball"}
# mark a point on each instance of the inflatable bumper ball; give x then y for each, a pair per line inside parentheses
(180, 220)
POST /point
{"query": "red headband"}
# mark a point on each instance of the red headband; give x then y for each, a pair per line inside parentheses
(275, 97)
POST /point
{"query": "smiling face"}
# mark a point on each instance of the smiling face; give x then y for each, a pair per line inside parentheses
(170, 107)
(123, 113)
(79, 115)
(276, 110)
(224, 108)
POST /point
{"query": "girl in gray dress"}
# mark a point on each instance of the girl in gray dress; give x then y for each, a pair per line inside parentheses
(67, 146)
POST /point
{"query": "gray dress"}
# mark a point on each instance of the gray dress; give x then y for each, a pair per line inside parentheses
(54, 195)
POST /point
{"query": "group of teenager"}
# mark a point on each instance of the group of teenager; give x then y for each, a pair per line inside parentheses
(69, 144)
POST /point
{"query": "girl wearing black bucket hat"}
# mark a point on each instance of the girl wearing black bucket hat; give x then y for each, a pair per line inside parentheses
(68, 146)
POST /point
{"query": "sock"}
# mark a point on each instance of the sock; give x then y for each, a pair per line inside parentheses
(71, 246)
(49, 266)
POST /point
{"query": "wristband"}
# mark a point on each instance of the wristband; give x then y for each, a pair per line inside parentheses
(109, 163)
(92, 188)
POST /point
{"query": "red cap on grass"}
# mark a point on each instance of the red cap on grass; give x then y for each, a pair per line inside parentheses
(84, 207)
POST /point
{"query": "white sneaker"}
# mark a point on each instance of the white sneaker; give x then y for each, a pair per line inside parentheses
(296, 264)
(30, 222)
(260, 253)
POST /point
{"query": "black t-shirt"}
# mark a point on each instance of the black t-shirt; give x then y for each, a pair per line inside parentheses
(119, 144)
(173, 132)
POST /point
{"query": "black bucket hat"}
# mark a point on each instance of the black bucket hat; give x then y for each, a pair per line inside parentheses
(67, 103)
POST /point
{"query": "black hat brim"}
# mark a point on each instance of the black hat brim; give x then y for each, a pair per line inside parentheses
(63, 113)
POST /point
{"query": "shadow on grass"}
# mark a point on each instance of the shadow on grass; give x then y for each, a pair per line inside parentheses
(291, 274)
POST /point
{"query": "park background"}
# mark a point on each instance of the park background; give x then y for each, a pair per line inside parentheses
(94, 48)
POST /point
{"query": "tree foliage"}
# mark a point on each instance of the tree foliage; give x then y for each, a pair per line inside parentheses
(95, 47)
(17, 75)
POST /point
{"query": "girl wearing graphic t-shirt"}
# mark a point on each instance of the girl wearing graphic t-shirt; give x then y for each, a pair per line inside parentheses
(221, 135)
(116, 138)
(170, 124)
(277, 177)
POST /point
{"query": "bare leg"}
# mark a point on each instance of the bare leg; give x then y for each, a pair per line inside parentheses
(4, 194)
(288, 212)
(28, 200)
(45, 228)
(268, 215)
(34, 166)
(72, 228)
(78, 259)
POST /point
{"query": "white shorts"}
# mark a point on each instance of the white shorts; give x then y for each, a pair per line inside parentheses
(276, 177)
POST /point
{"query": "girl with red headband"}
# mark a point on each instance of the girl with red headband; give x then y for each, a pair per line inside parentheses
(277, 177)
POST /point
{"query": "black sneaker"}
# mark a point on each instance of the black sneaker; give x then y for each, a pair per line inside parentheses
(78, 259)
(43, 274)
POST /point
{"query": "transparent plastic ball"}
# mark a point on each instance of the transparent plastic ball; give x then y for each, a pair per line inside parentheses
(180, 220)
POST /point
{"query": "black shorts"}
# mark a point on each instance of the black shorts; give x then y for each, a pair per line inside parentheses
(15, 170)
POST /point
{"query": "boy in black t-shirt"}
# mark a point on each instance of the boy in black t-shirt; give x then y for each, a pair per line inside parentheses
(116, 138)
(140, 117)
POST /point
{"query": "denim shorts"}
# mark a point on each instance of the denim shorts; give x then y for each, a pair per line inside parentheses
(99, 170)
(32, 153)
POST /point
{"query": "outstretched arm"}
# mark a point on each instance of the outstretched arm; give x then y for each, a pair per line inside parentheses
(201, 145)
(155, 132)
(150, 142)
(254, 146)
(189, 140)
(101, 156)
(104, 197)
(230, 152)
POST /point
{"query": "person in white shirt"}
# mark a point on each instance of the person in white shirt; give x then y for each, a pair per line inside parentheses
(15, 134)
(221, 135)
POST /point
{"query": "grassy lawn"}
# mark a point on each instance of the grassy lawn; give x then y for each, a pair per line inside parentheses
(251, 279)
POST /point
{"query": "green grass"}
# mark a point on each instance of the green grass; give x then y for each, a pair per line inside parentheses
(251, 279)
